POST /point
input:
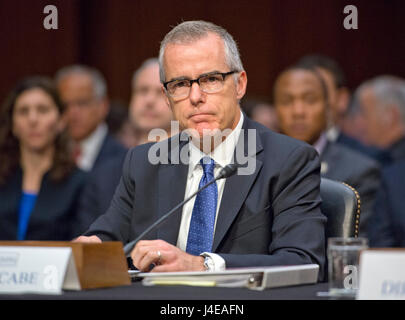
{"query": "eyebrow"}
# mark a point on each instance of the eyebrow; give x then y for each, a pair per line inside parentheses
(201, 75)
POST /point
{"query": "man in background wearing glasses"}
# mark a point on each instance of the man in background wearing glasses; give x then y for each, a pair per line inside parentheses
(83, 90)
(269, 217)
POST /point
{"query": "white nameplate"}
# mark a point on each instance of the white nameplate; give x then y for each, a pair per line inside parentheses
(382, 275)
(45, 270)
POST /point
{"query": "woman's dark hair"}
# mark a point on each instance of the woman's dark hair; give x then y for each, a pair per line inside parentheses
(62, 163)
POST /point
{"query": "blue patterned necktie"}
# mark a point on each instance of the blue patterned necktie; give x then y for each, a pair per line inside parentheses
(201, 231)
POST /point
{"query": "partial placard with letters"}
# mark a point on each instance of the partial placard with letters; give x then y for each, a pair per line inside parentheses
(45, 270)
(382, 275)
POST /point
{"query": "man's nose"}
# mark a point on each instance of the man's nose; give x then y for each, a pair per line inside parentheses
(73, 109)
(150, 98)
(298, 109)
(196, 95)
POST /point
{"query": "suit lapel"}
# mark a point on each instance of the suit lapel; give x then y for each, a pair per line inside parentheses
(327, 156)
(237, 187)
(171, 189)
(172, 184)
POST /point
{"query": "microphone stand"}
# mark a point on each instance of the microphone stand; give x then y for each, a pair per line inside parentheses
(225, 172)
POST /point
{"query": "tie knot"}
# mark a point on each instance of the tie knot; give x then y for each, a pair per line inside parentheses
(208, 165)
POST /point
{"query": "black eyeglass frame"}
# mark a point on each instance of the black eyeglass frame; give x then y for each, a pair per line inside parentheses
(223, 74)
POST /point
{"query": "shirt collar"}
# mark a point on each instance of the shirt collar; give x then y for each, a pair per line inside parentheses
(320, 144)
(91, 146)
(222, 154)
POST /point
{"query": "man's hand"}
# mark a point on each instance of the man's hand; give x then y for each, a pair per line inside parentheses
(84, 239)
(165, 257)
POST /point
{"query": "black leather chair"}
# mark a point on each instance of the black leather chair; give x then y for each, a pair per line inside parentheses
(341, 205)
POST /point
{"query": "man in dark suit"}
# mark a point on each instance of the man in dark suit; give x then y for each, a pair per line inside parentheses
(97, 193)
(387, 224)
(380, 104)
(84, 92)
(148, 111)
(267, 214)
(300, 97)
(343, 128)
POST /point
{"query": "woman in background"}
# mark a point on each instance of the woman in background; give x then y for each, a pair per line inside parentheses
(39, 183)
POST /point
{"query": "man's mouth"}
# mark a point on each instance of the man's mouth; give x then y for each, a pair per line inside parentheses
(200, 117)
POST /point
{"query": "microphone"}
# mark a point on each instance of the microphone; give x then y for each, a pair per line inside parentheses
(225, 172)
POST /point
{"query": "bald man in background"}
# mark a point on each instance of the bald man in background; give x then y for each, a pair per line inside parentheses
(84, 92)
(380, 103)
(148, 110)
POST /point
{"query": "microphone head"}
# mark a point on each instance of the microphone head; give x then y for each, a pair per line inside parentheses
(227, 171)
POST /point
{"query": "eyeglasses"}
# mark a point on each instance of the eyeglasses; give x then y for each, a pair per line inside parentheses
(209, 83)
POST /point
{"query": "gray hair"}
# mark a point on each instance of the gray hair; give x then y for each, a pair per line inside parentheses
(99, 83)
(144, 65)
(191, 31)
(388, 90)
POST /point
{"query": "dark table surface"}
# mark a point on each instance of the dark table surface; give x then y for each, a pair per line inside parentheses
(136, 291)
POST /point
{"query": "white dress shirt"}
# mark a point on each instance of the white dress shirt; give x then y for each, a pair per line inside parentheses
(90, 147)
(222, 155)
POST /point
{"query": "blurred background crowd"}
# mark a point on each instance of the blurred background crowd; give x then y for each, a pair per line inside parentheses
(77, 98)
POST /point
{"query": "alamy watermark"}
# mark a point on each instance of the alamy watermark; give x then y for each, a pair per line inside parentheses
(170, 150)
(351, 21)
(51, 20)
(351, 281)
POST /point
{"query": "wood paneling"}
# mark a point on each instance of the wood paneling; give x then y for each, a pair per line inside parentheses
(116, 36)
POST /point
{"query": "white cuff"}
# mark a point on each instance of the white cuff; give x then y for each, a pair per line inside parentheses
(218, 261)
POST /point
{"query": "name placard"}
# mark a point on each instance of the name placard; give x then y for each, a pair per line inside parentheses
(382, 275)
(45, 270)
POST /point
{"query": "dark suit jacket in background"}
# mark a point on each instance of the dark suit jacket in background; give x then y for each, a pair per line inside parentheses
(54, 214)
(387, 225)
(291, 231)
(98, 192)
(383, 157)
(397, 151)
(101, 183)
(110, 149)
(362, 173)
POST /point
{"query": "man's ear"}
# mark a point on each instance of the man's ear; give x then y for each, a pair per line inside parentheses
(241, 85)
(343, 100)
(166, 97)
(392, 116)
